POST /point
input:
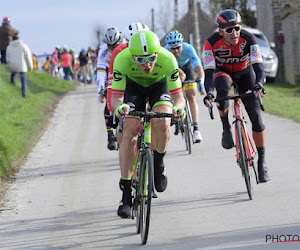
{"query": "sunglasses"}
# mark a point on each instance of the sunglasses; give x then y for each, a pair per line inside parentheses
(175, 48)
(230, 30)
(144, 59)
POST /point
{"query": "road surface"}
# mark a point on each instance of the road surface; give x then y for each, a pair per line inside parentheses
(66, 195)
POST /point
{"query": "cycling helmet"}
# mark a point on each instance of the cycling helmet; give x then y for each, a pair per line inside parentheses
(228, 17)
(144, 43)
(112, 36)
(174, 38)
(134, 28)
(6, 20)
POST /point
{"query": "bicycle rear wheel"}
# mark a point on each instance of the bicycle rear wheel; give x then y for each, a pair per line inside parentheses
(243, 159)
(188, 129)
(145, 194)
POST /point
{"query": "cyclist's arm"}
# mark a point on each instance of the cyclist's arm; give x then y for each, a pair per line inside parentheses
(259, 72)
(209, 64)
(119, 80)
(182, 75)
(101, 68)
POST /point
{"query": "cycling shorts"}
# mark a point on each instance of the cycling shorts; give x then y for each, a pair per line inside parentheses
(245, 80)
(157, 94)
(190, 76)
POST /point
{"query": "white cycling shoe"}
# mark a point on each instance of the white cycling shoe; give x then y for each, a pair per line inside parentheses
(197, 136)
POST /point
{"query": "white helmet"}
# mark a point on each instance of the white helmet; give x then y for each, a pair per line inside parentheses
(112, 36)
(134, 28)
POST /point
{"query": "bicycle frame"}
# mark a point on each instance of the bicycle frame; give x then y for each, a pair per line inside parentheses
(250, 149)
(143, 141)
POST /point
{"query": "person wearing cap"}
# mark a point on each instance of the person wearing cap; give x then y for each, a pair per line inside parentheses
(6, 34)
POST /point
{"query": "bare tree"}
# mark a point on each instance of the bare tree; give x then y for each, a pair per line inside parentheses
(99, 32)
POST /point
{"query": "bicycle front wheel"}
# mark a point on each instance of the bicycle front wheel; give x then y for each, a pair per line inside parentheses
(243, 159)
(145, 194)
(188, 129)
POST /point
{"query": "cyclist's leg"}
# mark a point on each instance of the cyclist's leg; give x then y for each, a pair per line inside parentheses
(160, 101)
(126, 160)
(127, 153)
(191, 90)
(222, 82)
(111, 142)
(258, 128)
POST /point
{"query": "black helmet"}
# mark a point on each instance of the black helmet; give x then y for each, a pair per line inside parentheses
(228, 17)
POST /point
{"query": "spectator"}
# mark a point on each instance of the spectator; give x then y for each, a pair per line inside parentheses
(72, 53)
(6, 34)
(20, 61)
(84, 64)
(35, 62)
(66, 59)
(55, 61)
(47, 65)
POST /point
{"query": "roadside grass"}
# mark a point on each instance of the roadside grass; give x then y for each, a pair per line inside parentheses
(283, 100)
(22, 120)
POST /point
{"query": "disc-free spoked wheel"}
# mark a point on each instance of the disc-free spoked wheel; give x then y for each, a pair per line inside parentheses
(145, 193)
(243, 161)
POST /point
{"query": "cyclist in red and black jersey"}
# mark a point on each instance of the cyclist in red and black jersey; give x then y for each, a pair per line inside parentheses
(232, 55)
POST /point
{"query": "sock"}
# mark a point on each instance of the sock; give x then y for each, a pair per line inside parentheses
(261, 155)
(125, 183)
(225, 122)
(195, 125)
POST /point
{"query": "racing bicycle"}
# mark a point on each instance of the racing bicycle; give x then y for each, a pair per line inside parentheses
(186, 126)
(245, 149)
(142, 180)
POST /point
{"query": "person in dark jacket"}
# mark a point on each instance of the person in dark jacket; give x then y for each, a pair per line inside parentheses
(6, 34)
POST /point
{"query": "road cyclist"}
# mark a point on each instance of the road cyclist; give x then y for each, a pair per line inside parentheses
(112, 38)
(144, 69)
(188, 62)
(232, 55)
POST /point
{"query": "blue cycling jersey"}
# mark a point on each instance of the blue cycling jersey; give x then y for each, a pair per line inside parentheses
(188, 54)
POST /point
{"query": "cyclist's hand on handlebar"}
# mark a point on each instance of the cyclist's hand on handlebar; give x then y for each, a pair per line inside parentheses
(123, 109)
(208, 100)
(179, 112)
(259, 90)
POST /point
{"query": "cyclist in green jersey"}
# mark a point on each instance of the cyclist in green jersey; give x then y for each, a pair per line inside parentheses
(145, 70)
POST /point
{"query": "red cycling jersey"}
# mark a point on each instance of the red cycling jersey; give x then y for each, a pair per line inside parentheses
(115, 52)
(230, 58)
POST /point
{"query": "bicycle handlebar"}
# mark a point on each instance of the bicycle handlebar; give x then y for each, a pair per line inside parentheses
(235, 97)
(150, 114)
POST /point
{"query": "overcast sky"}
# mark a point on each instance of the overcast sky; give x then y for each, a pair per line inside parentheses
(45, 24)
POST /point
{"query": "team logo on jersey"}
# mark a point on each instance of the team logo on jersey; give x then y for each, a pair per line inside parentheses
(242, 47)
(174, 75)
(165, 97)
(223, 52)
(255, 51)
(104, 53)
(117, 75)
(208, 57)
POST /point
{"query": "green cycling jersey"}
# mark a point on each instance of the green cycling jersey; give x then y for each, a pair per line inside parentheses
(165, 66)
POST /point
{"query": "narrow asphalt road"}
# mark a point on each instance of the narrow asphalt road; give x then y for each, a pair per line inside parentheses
(66, 194)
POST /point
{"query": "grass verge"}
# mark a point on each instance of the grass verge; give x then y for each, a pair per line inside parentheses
(24, 119)
(283, 100)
